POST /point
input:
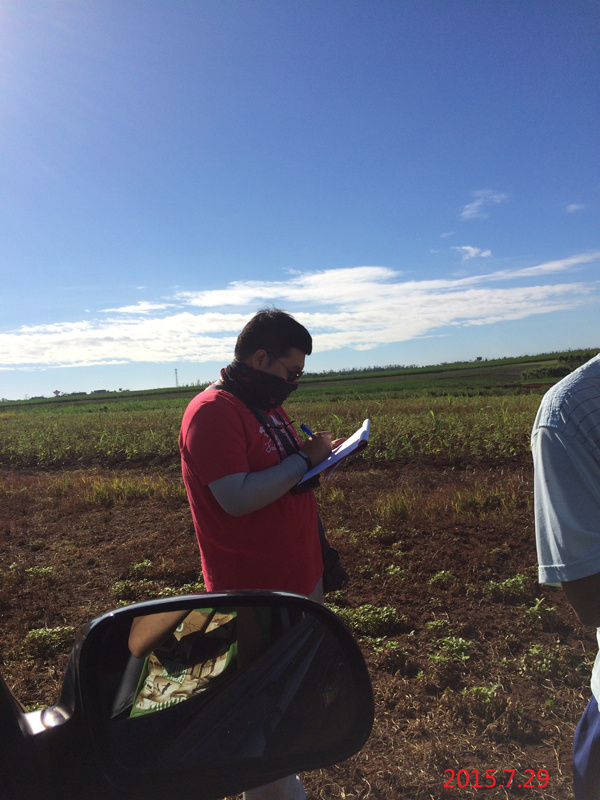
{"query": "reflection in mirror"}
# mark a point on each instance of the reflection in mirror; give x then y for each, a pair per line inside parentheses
(184, 653)
(230, 683)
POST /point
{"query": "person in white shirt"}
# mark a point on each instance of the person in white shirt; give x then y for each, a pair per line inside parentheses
(565, 445)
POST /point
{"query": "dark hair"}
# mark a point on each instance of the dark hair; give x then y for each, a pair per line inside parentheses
(274, 331)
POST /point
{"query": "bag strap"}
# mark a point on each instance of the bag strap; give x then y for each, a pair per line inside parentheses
(277, 433)
(279, 436)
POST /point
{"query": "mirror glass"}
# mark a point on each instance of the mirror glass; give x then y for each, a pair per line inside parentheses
(179, 656)
(207, 687)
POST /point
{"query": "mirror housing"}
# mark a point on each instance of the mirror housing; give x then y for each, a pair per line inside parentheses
(300, 701)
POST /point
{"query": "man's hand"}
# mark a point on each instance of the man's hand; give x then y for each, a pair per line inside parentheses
(318, 447)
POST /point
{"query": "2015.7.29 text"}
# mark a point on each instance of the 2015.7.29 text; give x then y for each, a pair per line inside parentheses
(487, 779)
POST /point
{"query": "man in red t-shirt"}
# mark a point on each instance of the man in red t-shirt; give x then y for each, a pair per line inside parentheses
(240, 458)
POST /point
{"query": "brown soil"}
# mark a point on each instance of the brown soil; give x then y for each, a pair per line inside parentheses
(426, 723)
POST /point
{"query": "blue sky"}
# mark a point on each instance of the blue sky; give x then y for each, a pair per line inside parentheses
(416, 181)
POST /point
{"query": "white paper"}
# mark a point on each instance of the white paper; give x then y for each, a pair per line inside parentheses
(354, 444)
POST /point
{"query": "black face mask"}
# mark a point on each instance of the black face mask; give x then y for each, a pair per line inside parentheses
(254, 387)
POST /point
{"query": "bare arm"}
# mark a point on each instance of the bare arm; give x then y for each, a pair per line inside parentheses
(584, 596)
(149, 631)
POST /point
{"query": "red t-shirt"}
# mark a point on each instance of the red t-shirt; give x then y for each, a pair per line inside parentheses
(276, 548)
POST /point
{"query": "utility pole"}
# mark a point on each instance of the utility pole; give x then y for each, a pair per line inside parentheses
(176, 379)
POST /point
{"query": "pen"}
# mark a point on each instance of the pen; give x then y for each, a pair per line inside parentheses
(306, 430)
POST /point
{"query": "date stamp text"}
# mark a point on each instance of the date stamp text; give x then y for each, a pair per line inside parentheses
(503, 778)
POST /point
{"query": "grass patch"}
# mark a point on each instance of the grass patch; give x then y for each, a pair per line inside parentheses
(442, 579)
(370, 620)
(509, 590)
(452, 649)
(46, 642)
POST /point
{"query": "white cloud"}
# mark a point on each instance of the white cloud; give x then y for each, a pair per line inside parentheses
(573, 207)
(142, 307)
(548, 267)
(302, 287)
(359, 307)
(468, 252)
(478, 208)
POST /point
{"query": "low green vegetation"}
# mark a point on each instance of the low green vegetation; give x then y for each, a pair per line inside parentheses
(148, 579)
(553, 663)
(135, 590)
(509, 590)
(485, 694)
(452, 649)
(542, 614)
(45, 642)
(370, 620)
(441, 579)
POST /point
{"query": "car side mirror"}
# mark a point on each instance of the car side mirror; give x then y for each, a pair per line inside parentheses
(237, 690)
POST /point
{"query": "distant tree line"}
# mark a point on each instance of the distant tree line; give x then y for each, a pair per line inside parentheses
(566, 364)
(359, 370)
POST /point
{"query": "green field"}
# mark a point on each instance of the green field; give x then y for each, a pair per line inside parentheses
(451, 411)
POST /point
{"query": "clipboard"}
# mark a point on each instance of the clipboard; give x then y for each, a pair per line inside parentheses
(351, 447)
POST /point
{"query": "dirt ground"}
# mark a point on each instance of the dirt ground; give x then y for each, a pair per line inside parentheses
(501, 708)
